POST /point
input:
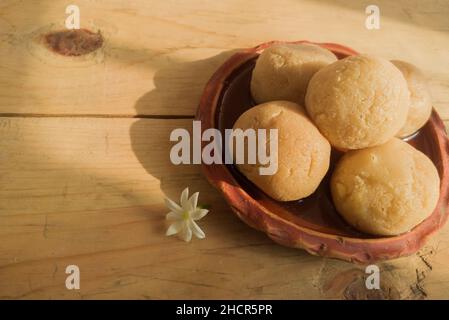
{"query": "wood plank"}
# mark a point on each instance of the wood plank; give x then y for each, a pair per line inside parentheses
(158, 55)
(90, 192)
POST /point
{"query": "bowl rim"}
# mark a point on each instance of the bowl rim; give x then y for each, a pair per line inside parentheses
(289, 234)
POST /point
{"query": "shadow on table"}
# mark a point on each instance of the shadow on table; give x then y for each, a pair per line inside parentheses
(181, 83)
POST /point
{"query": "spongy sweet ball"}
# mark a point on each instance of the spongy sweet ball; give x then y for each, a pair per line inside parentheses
(282, 72)
(420, 99)
(303, 153)
(358, 102)
(386, 189)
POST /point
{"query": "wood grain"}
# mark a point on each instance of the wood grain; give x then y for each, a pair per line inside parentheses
(90, 192)
(158, 55)
(82, 182)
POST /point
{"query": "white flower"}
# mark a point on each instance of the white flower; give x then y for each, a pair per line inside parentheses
(183, 217)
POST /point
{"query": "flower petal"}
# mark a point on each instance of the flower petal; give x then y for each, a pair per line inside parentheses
(194, 200)
(186, 233)
(173, 216)
(197, 230)
(173, 206)
(174, 228)
(198, 214)
(184, 199)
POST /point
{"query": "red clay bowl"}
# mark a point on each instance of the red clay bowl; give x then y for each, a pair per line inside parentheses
(312, 223)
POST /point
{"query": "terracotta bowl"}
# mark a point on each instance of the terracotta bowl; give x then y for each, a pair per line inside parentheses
(312, 223)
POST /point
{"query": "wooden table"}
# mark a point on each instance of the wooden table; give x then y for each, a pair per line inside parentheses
(84, 150)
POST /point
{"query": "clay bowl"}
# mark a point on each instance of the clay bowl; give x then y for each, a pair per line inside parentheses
(312, 223)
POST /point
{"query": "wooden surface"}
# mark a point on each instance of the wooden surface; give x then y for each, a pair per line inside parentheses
(84, 150)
